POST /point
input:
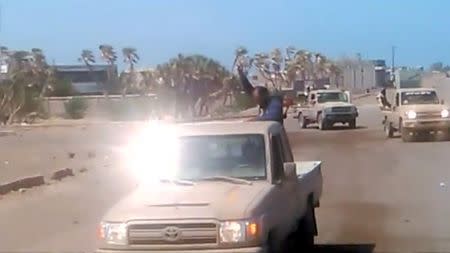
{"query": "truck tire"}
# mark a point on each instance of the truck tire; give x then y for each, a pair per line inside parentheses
(304, 236)
(407, 136)
(352, 124)
(302, 121)
(388, 130)
(323, 124)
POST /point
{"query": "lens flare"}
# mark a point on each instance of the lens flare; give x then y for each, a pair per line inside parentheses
(153, 154)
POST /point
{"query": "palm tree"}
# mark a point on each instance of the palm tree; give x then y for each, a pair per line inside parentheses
(87, 57)
(131, 57)
(109, 55)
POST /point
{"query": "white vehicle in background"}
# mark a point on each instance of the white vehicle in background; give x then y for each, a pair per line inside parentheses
(416, 112)
(236, 189)
(327, 107)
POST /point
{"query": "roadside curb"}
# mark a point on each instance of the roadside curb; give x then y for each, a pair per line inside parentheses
(4, 133)
(62, 173)
(363, 96)
(26, 182)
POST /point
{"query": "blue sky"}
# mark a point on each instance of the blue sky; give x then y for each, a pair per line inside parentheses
(160, 29)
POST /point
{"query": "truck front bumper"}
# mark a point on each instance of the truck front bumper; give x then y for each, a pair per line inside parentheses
(234, 250)
(427, 125)
(341, 117)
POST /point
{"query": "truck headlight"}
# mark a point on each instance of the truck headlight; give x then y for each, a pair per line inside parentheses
(113, 233)
(411, 114)
(444, 113)
(238, 231)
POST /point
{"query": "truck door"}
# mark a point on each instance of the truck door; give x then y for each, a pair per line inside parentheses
(394, 116)
(299, 193)
(285, 190)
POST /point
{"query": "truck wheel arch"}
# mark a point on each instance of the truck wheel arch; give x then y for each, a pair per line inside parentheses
(318, 114)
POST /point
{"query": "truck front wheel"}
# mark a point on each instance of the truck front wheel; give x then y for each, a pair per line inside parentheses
(407, 136)
(323, 123)
(352, 124)
(302, 121)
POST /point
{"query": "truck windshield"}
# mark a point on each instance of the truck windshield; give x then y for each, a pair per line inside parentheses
(419, 97)
(331, 97)
(238, 156)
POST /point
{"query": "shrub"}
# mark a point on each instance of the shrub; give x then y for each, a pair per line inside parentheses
(76, 107)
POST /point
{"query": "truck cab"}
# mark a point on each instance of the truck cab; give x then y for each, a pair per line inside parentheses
(415, 112)
(327, 107)
(235, 188)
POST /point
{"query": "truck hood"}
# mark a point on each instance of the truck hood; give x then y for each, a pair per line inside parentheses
(205, 200)
(333, 104)
(424, 108)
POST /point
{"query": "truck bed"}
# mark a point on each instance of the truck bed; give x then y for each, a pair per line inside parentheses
(309, 174)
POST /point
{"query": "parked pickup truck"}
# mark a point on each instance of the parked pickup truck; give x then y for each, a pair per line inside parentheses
(237, 189)
(327, 107)
(416, 112)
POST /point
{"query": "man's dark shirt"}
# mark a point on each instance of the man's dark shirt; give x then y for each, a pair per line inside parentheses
(272, 110)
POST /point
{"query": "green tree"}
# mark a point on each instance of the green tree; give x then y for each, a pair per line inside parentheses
(24, 84)
(192, 79)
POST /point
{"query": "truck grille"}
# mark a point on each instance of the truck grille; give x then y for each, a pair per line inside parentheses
(428, 115)
(172, 234)
(341, 109)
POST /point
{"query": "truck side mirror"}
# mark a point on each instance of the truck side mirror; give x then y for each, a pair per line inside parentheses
(290, 170)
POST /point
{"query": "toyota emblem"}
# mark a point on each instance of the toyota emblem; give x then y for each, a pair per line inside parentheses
(172, 233)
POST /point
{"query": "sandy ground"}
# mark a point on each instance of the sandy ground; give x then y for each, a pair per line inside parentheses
(378, 193)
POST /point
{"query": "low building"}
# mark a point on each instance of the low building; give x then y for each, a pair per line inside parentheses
(92, 80)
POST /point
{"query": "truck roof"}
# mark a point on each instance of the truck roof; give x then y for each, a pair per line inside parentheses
(327, 91)
(227, 128)
(415, 89)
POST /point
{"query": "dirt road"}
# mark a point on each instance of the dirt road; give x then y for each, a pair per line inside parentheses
(377, 192)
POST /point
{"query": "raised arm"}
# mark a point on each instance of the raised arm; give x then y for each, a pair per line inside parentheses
(246, 85)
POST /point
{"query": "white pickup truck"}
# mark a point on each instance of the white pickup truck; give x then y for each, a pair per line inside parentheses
(236, 189)
(416, 112)
(327, 107)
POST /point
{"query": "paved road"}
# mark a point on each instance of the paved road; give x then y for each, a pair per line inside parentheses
(377, 192)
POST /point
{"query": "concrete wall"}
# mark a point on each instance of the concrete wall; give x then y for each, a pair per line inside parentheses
(99, 107)
(358, 77)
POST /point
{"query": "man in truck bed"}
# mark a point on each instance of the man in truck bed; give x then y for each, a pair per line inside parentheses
(272, 106)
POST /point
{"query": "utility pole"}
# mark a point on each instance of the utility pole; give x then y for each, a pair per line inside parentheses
(393, 63)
